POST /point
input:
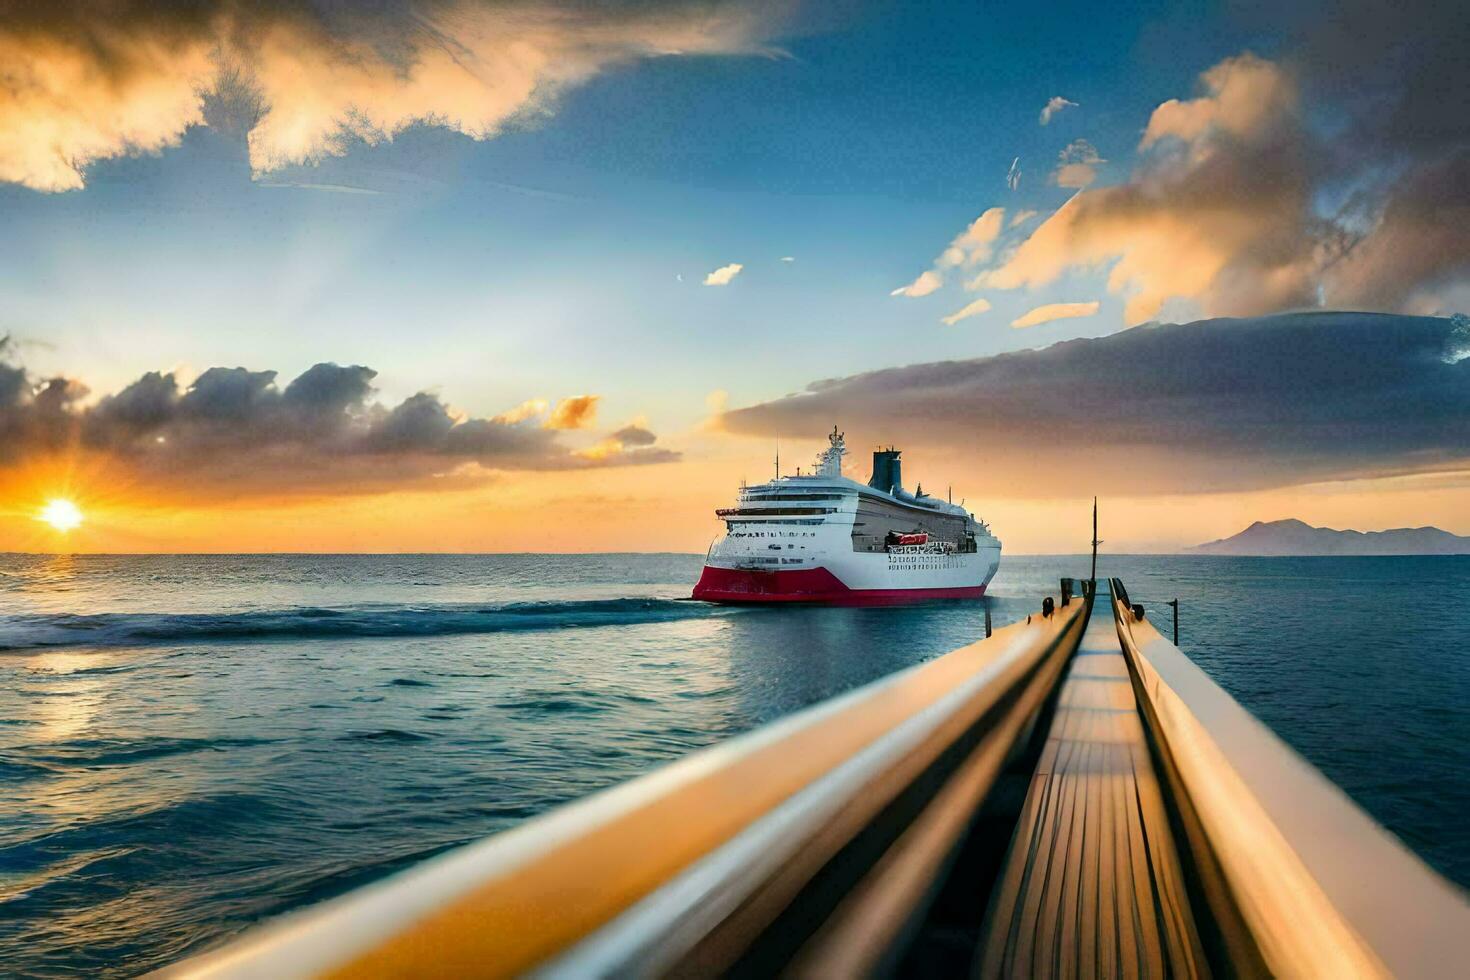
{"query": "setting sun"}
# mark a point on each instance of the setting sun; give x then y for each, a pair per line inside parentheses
(61, 514)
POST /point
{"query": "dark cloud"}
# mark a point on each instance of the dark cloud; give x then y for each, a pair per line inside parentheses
(145, 404)
(1398, 70)
(421, 420)
(236, 431)
(631, 444)
(1398, 75)
(13, 380)
(1419, 241)
(228, 393)
(1223, 404)
(331, 388)
(635, 435)
(490, 437)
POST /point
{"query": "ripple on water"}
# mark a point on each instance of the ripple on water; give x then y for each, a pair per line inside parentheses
(14, 770)
(385, 735)
(91, 753)
(554, 705)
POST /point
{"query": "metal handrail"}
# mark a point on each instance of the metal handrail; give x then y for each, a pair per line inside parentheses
(684, 867)
(1299, 881)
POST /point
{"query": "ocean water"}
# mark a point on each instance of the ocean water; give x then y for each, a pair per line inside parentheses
(189, 745)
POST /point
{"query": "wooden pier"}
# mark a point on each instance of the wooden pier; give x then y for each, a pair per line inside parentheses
(1070, 797)
(1093, 884)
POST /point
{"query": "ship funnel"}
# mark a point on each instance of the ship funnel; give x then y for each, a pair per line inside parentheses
(887, 470)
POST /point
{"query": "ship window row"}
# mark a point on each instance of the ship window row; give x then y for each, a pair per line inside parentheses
(762, 520)
(817, 523)
(771, 534)
(793, 496)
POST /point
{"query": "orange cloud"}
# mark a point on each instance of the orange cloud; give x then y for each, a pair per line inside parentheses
(626, 443)
(576, 412)
(1055, 311)
(973, 309)
(525, 410)
(974, 243)
(84, 84)
(1219, 213)
(1246, 96)
(926, 283)
(1229, 209)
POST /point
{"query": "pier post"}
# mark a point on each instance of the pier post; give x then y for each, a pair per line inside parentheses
(1174, 604)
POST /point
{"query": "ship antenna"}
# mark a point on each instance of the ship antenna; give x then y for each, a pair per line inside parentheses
(778, 461)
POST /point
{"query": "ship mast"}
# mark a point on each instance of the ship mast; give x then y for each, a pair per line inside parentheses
(1095, 541)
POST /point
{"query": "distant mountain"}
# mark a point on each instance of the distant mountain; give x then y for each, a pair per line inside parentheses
(1298, 538)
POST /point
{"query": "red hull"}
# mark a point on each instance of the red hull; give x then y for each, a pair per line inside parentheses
(813, 585)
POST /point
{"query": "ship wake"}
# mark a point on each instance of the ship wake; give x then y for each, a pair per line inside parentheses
(21, 632)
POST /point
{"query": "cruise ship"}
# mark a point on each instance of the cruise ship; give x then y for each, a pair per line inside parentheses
(825, 538)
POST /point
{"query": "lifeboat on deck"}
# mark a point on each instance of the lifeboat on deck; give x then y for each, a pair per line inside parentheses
(907, 539)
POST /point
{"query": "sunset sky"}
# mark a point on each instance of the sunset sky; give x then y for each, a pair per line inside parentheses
(525, 276)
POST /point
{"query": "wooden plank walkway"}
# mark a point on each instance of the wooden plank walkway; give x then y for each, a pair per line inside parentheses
(1092, 885)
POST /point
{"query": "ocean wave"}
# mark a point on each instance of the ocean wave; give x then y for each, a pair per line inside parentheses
(384, 735)
(552, 705)
(147, 828)
(92, 753)
(19, 632)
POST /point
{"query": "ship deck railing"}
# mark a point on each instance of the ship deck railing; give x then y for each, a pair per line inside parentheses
(1069, 797)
